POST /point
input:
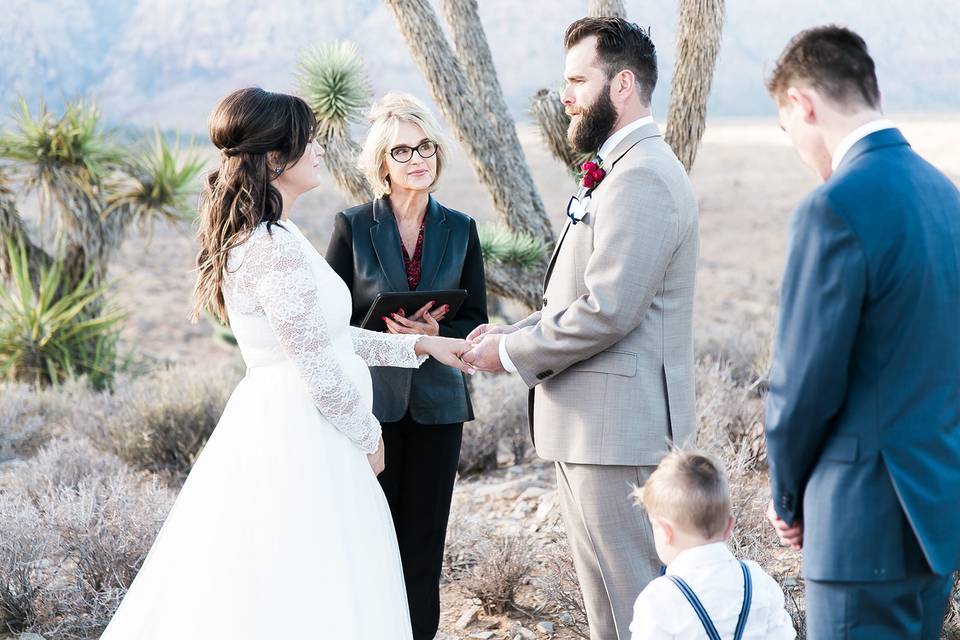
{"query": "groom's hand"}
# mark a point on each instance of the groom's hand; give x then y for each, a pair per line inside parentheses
(790, 535)
(485, 329)
(485, 354)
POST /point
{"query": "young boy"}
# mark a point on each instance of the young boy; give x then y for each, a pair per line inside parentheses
(706, 592)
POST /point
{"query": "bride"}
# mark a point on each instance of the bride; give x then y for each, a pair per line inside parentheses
(281, 530)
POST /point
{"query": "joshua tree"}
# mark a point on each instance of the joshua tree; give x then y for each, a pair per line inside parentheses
(90, 188)
(464, 83)
(334, 83)
(55, 321)
(699, 33)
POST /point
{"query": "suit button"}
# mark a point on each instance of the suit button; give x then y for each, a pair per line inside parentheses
(544, 301)
(544, 374)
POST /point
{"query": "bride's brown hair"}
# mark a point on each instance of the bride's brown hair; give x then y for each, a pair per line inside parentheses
(259, 134)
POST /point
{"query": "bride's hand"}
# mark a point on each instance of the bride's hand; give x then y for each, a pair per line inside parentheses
(377, 458)
(445, 350)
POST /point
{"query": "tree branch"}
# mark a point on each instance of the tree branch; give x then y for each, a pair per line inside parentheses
(498, 161)
(699, 34)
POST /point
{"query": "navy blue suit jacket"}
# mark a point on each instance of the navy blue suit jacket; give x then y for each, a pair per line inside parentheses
(863, 415)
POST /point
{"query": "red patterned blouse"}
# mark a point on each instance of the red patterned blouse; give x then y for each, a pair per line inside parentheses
(412, 264)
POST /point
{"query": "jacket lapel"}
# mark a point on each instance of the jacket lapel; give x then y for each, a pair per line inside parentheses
(556, 251)
(435, 234)
(386, 244)
(646, 131)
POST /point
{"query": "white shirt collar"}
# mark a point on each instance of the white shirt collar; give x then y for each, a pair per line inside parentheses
(612, 142)
(694, 558)
(856, 136)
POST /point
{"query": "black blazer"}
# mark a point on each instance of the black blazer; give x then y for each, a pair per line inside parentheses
(365, 251)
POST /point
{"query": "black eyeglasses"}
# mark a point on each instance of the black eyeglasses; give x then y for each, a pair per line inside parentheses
(404, 153)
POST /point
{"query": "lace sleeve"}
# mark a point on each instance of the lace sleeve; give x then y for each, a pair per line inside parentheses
(385, 349)
(278, 276)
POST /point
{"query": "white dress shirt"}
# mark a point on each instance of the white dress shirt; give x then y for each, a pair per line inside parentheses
(609, 145)
(855, 136)
(661, 611)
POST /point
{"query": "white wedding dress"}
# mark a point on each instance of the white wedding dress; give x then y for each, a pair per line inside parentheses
(281, 529)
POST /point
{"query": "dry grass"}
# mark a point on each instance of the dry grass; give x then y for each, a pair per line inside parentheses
(29, 417)
(76, 525)
(500, 406)
(160, 422)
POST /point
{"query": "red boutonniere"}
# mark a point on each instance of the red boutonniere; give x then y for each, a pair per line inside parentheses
(591, 175)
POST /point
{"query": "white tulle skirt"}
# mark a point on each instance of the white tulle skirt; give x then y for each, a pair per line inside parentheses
(280, 531)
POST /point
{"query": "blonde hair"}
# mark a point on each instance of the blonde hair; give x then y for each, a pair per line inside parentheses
(690, 490)
(385, 119)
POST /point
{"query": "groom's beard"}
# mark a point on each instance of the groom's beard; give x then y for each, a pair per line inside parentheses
(595, 124)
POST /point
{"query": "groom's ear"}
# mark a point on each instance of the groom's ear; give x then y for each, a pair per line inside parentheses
(624, 84)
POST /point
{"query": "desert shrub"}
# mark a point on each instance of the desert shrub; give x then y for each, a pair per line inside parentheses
(559, 590)
(493, 567)
(64, 464)
(745, 344)
(24, 577)
(729, 416)
(160, 421)
(500, 406)
(30, 416)
(73, 543)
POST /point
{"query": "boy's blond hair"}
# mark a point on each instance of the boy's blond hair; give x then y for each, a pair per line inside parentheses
(690, 490)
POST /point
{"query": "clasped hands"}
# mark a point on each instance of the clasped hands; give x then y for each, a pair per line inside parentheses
(484, 353)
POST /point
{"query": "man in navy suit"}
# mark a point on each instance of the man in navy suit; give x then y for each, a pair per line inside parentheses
(863, 415)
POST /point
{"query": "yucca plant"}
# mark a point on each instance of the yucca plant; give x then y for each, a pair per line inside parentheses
(51, 331)
(502, 246)
(80, 173)
(58, 155)
(333, 81)
(156, 185)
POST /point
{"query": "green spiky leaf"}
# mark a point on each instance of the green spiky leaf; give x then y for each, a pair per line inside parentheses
(50, 332)
(334, 83)
(159, 184)
(60, 154)
(503, 246)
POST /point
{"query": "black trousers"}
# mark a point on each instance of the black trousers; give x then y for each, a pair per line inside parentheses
(421, 466)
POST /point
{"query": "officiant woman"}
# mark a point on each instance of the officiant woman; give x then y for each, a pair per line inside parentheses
(407, 241)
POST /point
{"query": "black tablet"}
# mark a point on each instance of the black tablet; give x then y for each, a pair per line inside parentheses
(410, 302)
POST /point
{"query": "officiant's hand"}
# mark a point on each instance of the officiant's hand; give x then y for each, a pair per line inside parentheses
(485, 354)
(790, 535)
(484, 329)
(424, 321)
(445, 350)
(377, 459)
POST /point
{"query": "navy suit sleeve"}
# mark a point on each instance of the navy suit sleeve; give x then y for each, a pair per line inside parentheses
(821, 298)
(473, 312)
(340, 249)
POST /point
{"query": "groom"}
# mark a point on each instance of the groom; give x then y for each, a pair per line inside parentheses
(609, 357)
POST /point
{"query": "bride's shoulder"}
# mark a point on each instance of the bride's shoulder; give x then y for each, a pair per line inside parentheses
(264, 242)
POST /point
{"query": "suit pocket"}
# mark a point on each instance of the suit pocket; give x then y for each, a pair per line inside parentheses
(619, 363)
(841, 449)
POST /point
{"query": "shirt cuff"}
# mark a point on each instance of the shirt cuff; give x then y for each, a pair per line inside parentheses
(505, 360)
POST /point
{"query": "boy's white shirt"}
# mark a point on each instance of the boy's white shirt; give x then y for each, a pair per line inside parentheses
(661, 611)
